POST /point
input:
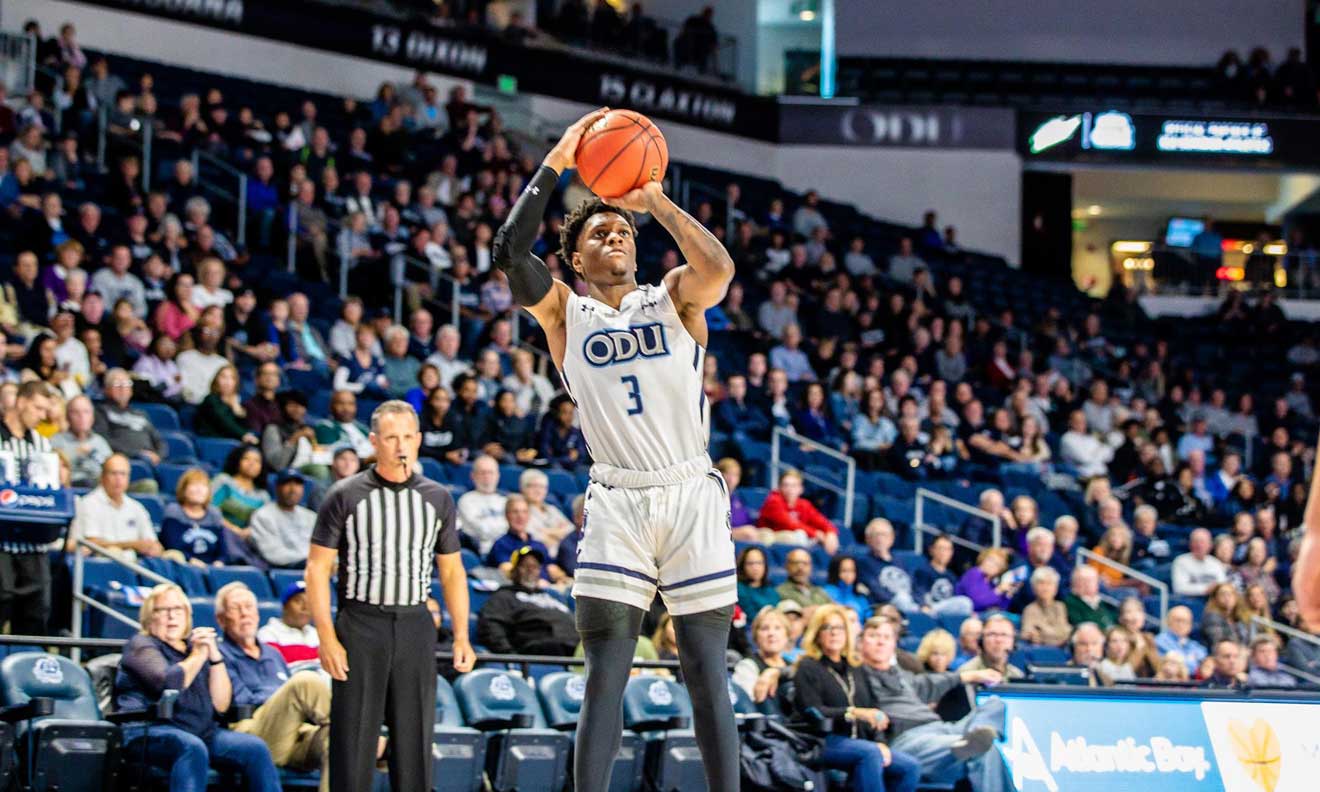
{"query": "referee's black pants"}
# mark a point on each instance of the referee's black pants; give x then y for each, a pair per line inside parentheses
(391, 678)
(25, 592)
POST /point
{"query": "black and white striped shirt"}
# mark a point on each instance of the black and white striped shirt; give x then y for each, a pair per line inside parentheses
(387, 535)
(21, 448)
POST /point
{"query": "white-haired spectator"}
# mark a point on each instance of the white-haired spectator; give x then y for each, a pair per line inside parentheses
(481, 509)
(546, 523)
(1045, 619)
(1084, 603)
(1177, 637)
(1197, 571)
(446, 357)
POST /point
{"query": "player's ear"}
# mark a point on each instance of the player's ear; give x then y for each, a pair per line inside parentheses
(576, 264)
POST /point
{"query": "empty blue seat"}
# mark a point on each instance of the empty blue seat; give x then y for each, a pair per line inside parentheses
(459, 755)
(281, 579)
(179, 446)
(470, 559)
(98, 573)
(203, 612)
(152, 503)
(169, 473)
(190, 578)
(561, 694)
(214, 450)
(162, 416)
(509, 475)
(753, 498)
(432, 469)
(564, 484)
(140, 469)
(521, 752)
(252, 577)
(660, 711)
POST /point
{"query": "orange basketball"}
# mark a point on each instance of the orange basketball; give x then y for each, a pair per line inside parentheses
(620, 152)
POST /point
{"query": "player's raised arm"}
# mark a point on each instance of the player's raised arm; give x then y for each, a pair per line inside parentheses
(529, 279)
(705, 279)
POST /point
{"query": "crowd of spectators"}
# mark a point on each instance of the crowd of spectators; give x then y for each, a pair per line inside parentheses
(136, 298)
(1258, 80)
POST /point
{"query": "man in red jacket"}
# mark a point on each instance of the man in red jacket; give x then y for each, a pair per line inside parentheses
(787, 510)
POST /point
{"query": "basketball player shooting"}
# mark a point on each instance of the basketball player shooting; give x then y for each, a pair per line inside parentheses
(656, 515)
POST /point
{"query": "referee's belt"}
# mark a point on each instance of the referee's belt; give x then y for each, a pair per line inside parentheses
(612, 476)
(368, 607)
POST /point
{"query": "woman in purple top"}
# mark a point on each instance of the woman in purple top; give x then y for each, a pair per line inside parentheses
(741, 521)
(979, 582)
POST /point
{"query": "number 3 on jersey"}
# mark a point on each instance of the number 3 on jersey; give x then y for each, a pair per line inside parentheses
(634, 393)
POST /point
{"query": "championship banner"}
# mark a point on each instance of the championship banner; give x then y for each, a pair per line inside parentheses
(1080, 743)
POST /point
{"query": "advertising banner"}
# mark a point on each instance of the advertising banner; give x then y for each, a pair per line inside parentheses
(1081, 743)
(933, 127)
(1117, 137)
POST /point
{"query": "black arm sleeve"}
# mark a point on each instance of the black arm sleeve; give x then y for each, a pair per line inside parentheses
(529, 280)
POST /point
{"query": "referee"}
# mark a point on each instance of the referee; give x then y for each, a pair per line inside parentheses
(384, 525)
(24, 567)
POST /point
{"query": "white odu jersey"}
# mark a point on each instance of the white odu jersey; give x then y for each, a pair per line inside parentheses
(635, 375)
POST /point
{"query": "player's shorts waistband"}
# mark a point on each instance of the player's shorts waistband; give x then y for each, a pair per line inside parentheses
(612, 476)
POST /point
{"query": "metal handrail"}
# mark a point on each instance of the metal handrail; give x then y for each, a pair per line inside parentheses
(850, 482)
(239, 197)
(1128, 571)
(80, 598)
(1291, 632)
(922, 528)
(59, 88)
(919, 518)
(1299, 673)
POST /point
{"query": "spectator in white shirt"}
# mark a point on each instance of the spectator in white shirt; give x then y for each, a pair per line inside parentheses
(481, 509)
(108, 517)
(531, 391)
(1196, 571)
(210, 288)
(282, 529)
(292, 633)
(905, 263)
(198, 367)
(116, 283)
(808, 218)
(1082, 450)
(856, 261)
(777, 312)
(70, 354)
(446, 359)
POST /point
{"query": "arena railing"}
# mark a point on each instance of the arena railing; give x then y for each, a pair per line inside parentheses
(1158, 585)
(920, 527)
(57, 112)
(849, 488)
(18, 54)
(238, 197)
(80, 597)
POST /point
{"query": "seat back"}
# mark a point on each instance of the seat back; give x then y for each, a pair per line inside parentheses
(742, 703)
(488, 694)
(191, 579)
(562, 694)
(213, 450)
(252, 577)
(162, 416)
(28, 675)
(98, 573)
(654, 698)
(447, 714)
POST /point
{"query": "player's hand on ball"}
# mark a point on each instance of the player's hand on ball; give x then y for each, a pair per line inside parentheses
(563, 155)
(334, 659)
(642, 199)
(464, 657)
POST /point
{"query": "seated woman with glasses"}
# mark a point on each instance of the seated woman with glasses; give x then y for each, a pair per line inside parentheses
(171, 654)
(829, 680)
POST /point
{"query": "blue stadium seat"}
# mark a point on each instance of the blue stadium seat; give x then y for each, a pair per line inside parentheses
(203, 612)
(659, 710)
(470, 559)
(213, 450)
(190, 578)
(432, 469)
(918, 623)
(98, 573)
(521, 752)
(561, 696)
(180, 447)
(459, 474)
(563, 483)
(73, 748)
(162, 416)
(267, 610)
(254, 578)
(169, 473)
(753, 498)
(459, 753)
(152, 503)
(280, 579)
(509, 475)
(140, 469)
(1047, 655)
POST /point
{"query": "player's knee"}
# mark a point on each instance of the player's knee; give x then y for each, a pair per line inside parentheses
(604, 620)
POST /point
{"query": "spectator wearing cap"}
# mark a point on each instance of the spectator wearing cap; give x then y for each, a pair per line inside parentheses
(282, 529)
(292, 714)
(517, 515)
(292, 633)
(291, 443)
(107, 516)
(127, 429)
(520, 618)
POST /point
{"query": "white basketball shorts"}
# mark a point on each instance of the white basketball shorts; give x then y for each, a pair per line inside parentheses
(672, 538)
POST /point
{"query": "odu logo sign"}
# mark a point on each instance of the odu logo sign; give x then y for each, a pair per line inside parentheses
(607, 347)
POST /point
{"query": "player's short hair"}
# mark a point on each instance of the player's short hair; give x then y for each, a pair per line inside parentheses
(576, 219)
